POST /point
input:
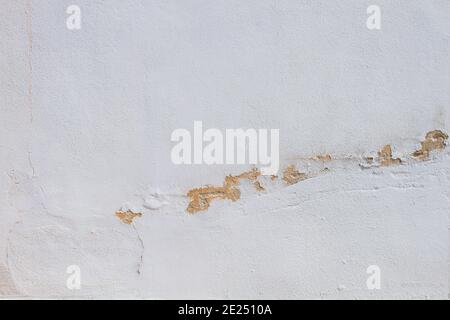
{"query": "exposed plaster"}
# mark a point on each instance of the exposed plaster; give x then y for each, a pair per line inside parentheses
(385, 157)
(324, 157)
(202, 197)
(434, 140)
(128, 216)
(291, 175)
(258, 186)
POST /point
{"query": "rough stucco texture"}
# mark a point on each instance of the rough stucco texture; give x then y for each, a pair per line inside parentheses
(85, 124)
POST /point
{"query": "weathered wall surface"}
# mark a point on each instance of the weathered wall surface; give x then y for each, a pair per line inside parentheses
(85, 125)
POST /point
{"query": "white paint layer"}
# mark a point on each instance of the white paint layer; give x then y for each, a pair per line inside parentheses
(85, 125)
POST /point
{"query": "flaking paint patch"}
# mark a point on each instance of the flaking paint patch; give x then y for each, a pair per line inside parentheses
(258, 186)
(128, 216)
(385, 156)
(434, 140)
(292, 176)
(201, 197)
(324, 157)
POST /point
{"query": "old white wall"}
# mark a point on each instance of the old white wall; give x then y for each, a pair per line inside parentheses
(86, 118)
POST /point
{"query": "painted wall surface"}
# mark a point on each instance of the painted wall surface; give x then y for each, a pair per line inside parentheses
(85, 126)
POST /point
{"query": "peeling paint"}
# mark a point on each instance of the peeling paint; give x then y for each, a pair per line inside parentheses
(324, 157)
(385, 156)
(202, 197)
(292, 176)
(258, 186)
(128, 216)
(434, 140)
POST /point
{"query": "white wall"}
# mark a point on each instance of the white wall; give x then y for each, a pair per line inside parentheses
(86, 118)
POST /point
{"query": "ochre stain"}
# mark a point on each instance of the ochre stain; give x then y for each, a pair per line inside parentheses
(127, 216)
(385, 156)
(434, 140)
(291, 175)
(201, 197)
(273, 177)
